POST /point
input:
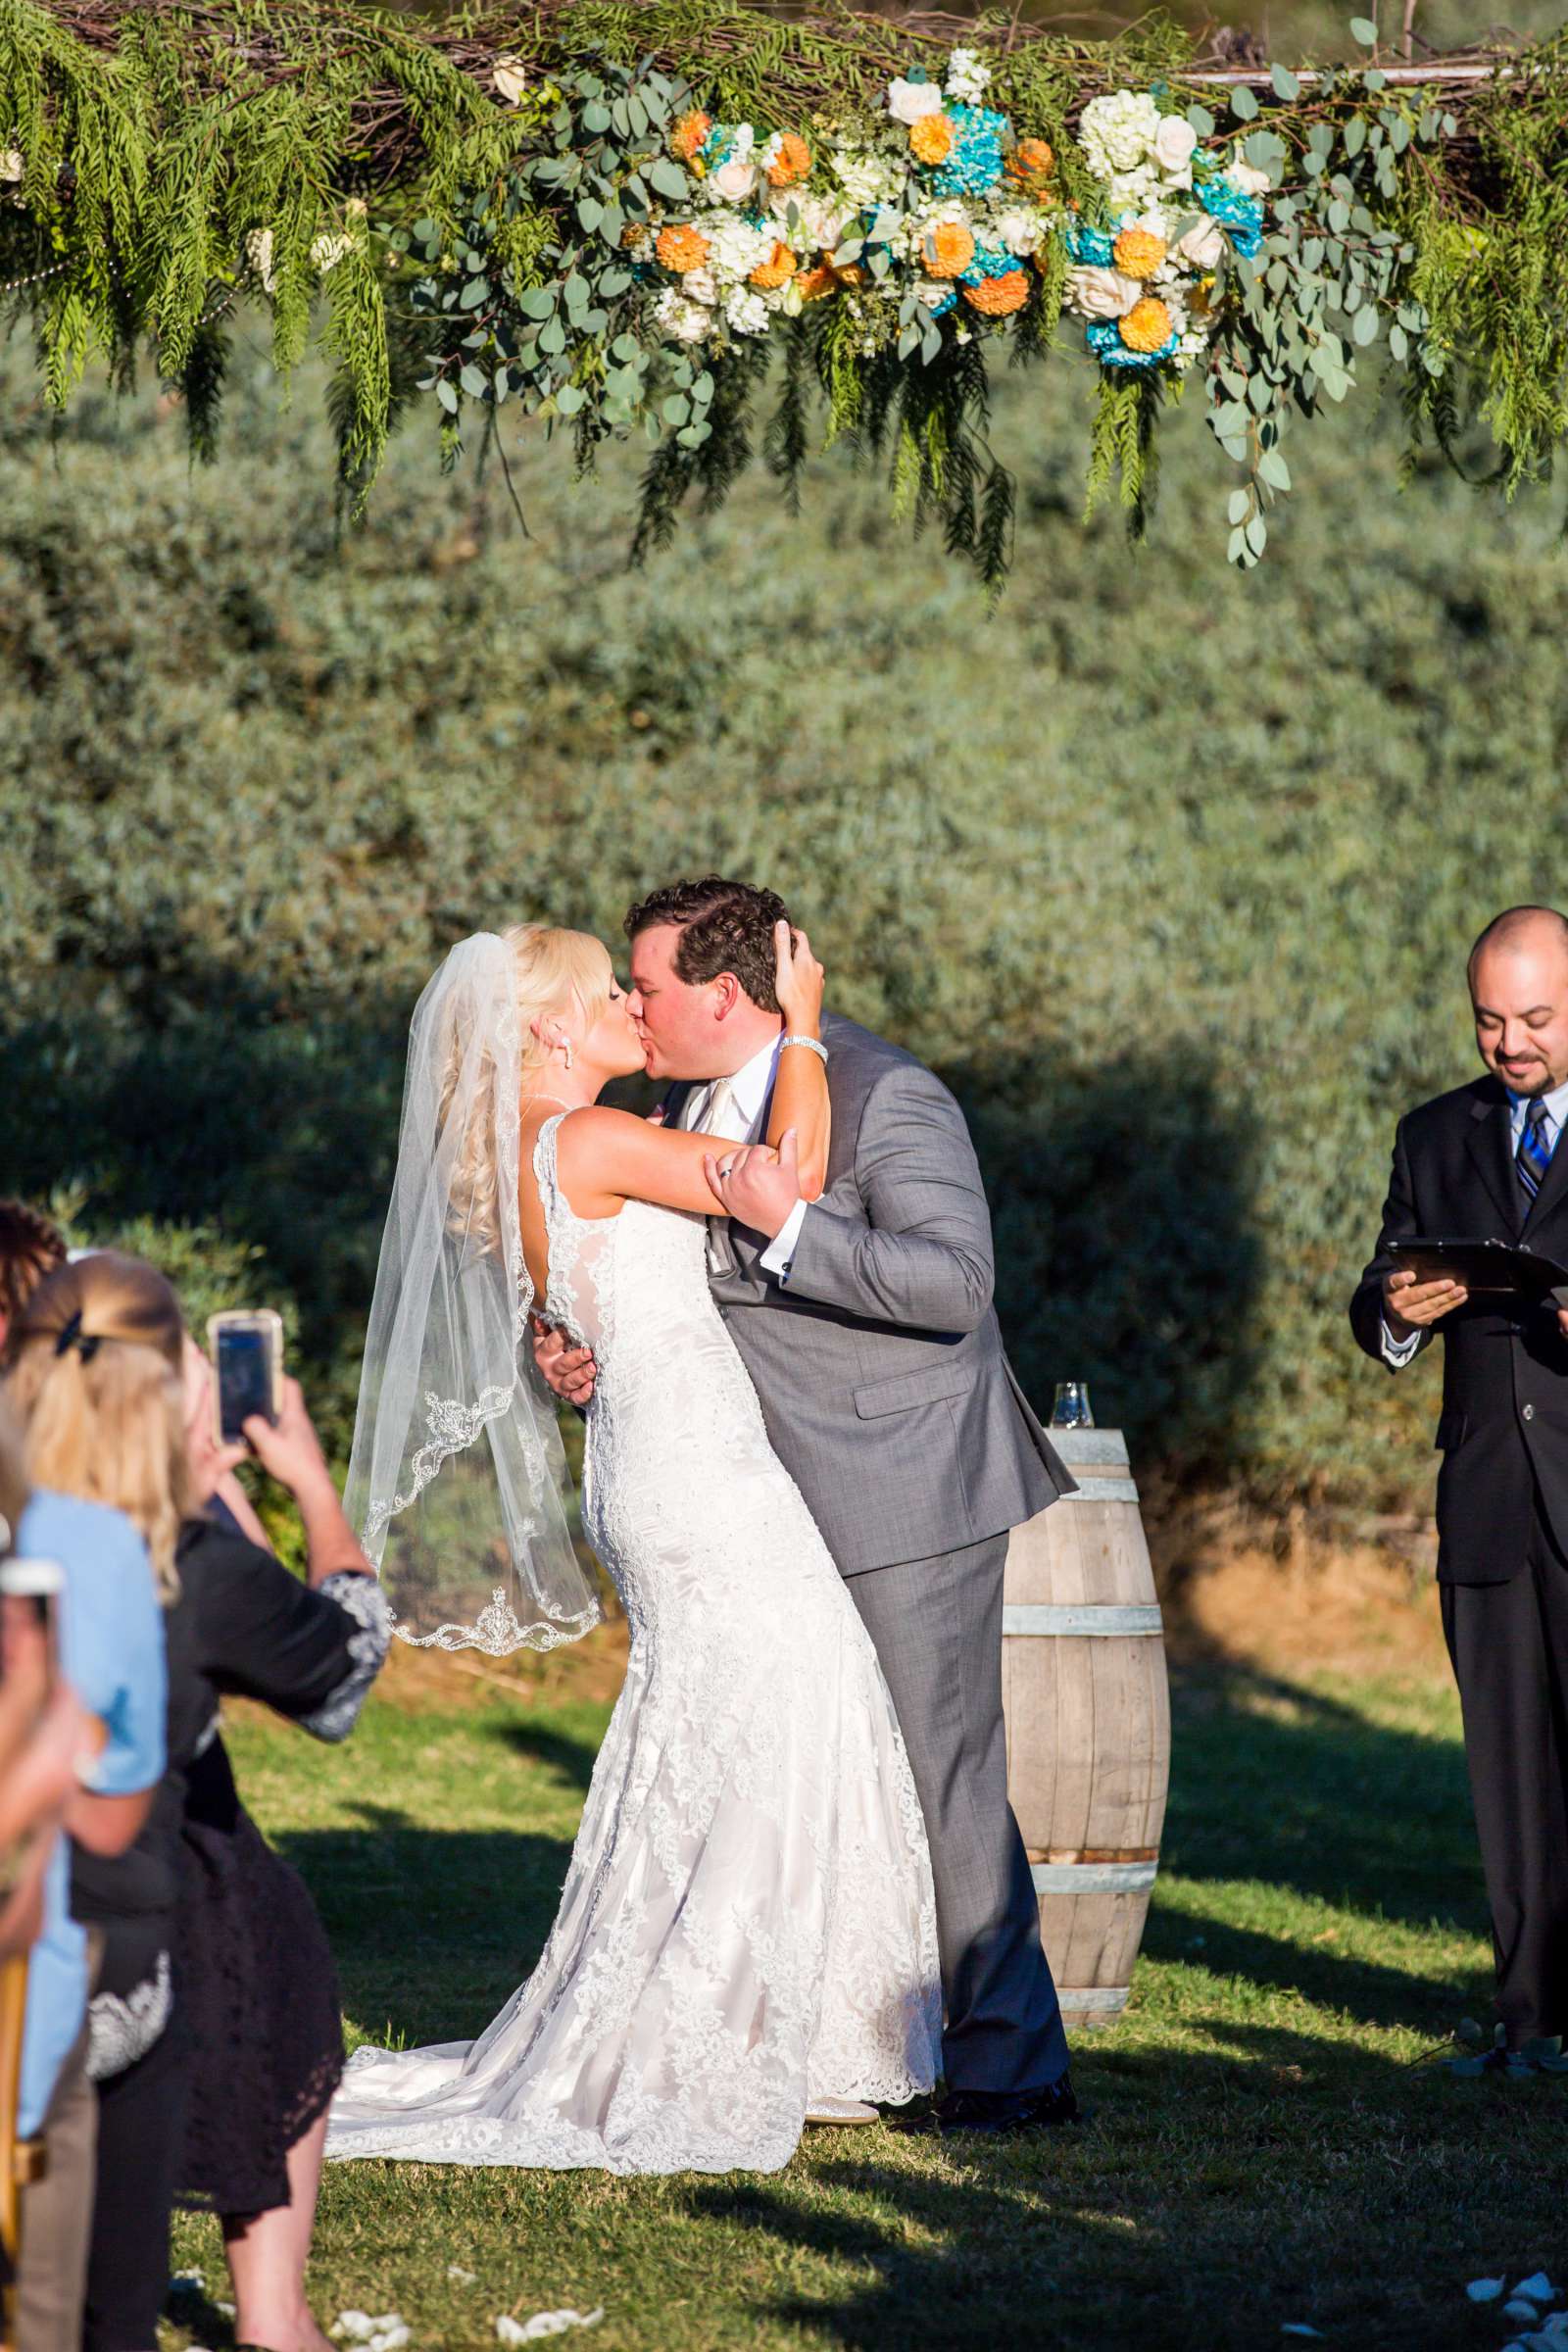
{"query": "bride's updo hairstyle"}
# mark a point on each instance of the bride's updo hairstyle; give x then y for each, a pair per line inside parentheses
(94, 1379)
(557, 976)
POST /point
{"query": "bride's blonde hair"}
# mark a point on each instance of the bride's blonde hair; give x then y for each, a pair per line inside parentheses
(557, 975)
(94, 1366)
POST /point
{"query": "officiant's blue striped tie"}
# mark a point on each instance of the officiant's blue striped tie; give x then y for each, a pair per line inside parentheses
(1534, 1156)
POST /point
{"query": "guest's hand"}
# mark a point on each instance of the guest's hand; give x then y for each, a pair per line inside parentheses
(754, 1185)
(798, 981)
(569, 1371)
(289, 1449)
(210, 1463)
(1411, 1305)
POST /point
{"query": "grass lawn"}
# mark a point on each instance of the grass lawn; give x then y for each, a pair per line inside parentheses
(1267, 2146)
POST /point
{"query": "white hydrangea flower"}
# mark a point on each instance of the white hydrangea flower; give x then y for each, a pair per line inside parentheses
(259, 254)
(1020, 228)
(968, 77)
(867, 180)
(1117, 134)
(910, 101)
(746, 311)
(682, 320)
(1133, 191)
(699, 285)
(736, 246)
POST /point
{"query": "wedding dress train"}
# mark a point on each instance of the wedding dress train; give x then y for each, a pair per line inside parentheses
(747, 1922)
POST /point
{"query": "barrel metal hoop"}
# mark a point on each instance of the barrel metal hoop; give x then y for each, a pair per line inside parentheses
(1103, 1489)
(1092, 1877)
(1080, 1997)
(1081, 1618)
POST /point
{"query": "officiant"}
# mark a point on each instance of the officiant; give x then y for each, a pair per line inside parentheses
(1485, 1161)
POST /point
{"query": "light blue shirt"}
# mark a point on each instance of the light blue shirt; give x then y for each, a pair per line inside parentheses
(111, 1654)
(1399, 1351)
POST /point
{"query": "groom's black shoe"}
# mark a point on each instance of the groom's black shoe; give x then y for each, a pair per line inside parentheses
(1004, 2113)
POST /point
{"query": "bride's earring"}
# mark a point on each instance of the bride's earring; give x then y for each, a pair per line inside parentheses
(567, 1054)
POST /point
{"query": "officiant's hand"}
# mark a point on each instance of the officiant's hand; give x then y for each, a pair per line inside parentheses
(1411, 1305)
(754, 1185)
(569, 1371)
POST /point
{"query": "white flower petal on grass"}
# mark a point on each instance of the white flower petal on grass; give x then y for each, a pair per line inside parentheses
(463, 2277)
(543, 2324)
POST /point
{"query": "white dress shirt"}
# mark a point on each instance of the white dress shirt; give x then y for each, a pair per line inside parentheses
(1399, 1351)
(751, 1090)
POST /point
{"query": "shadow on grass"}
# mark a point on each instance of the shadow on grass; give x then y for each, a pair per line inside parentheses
(571, 1759)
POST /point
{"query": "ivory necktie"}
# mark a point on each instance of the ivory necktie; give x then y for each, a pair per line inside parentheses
(713, 1110)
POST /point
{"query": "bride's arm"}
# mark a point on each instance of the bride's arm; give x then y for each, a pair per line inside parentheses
(608, 1156)
(800, 1090)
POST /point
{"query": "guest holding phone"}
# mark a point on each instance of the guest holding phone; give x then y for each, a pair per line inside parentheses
(223, 2087)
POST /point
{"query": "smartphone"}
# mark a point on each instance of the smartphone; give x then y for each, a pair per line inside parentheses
(247, 1352)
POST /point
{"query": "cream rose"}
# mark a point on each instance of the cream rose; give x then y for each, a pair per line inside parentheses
(910, 101)
(1099, 293)
(509, 75)
(1174, 142)
(1204, 244)
(733, 182)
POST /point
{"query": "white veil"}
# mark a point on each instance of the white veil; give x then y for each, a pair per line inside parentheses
(457, 1483)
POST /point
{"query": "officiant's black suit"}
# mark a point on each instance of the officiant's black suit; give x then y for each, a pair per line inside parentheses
(1502, 1524)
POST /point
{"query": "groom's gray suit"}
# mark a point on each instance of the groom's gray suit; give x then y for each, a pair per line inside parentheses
(888, 1397)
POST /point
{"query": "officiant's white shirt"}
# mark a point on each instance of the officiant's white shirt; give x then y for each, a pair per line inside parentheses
(751, 1090)
(1399, 1351)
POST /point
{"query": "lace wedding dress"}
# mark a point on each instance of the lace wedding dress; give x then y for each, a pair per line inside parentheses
(746, 1923)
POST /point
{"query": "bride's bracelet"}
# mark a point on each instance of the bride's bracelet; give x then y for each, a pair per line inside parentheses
(813, 1045)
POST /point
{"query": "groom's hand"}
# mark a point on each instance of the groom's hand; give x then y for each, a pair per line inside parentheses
(569, 1371)
(756, 1186)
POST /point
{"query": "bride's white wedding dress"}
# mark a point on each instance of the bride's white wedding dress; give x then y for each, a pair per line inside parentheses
(746, 1923)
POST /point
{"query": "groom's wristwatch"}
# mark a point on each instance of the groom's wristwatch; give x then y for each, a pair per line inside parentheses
(813, 1045)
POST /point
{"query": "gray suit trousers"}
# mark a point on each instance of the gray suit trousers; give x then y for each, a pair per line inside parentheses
(937, 1627)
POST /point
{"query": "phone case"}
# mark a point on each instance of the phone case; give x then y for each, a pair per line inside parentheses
(261, 1318)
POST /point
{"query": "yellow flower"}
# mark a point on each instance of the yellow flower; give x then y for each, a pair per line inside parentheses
(776, 272)
(1138, 252)
(931, 139)
(792, 162)
(1146, 326)
(680, 247)
(996, 297)
(690, 133)
(1031, 160)
(948, 248)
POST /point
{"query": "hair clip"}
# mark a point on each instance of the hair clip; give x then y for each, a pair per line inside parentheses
(72, 1336)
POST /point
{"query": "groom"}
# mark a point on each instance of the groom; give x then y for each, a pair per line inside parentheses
(866, 1324)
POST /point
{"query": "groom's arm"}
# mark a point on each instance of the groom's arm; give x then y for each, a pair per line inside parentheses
(919, 1254)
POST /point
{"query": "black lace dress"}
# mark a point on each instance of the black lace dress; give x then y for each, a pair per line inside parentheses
(254, 2047)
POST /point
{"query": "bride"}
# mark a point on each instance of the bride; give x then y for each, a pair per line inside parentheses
(747, 1934)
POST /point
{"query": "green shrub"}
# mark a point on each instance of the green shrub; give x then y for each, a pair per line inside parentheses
(1170, 872)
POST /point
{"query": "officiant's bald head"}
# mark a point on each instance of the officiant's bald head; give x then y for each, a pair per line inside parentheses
(1518, 973)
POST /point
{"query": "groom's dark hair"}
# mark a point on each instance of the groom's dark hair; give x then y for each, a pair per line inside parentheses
(724, 927)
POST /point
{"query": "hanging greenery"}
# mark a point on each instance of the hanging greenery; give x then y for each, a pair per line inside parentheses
(616, 214)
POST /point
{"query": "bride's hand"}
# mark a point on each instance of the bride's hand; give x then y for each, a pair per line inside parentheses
(798, 981)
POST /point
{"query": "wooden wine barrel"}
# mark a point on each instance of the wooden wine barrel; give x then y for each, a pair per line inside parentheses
(1087, 1712)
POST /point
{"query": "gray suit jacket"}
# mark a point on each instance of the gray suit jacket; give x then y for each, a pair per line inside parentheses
(880, 1366)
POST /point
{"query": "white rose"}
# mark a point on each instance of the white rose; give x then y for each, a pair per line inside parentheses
(1174, 142)
(821, 223)
(1248, 177)
(1097, 293)
(13, 163)
(1204, 244)
(699, 285)
(930, 291)
(910, 101)
(510, 77)
(733, 182)
(1117, 134)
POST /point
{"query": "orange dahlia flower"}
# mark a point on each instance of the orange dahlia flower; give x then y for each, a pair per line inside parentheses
(792, 162)
(1146, 326)
(690, 133)
(1138, 252)
(776, 272)
(931, 138)
(996, 297)
(680, 247)
(1031, 160)
(947, 249)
